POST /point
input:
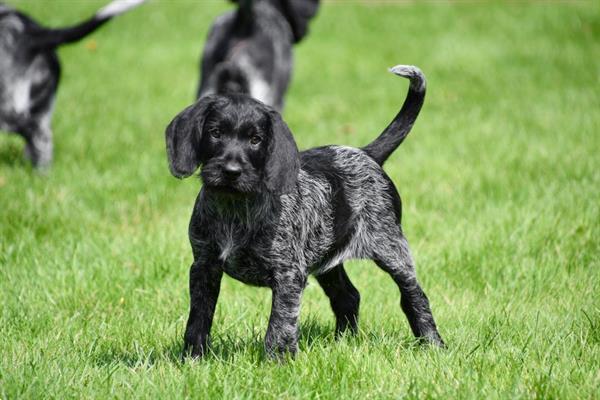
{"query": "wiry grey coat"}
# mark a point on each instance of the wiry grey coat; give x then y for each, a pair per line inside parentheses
(268, 215)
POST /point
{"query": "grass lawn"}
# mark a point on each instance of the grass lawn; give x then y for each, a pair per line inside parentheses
(500, 180)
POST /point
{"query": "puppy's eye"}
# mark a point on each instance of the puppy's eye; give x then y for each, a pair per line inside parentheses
(215, 133)
(255, 139)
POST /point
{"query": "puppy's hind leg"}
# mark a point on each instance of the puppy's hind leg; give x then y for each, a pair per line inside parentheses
(394, 258)
(343, 297)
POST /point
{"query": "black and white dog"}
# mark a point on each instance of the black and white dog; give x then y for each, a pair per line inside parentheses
(30, 71)
(249, 50)
(268, 215)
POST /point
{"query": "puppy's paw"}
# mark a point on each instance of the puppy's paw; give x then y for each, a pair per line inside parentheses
(193, 352)
(281, 348)
(281, 355)
(432, 339)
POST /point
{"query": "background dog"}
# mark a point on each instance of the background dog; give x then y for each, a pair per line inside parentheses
(249, 50)
(268, 215)
(30, 72)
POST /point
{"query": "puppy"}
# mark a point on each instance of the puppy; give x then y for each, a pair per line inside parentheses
(268, 215)
(249, 50)
(30, 71)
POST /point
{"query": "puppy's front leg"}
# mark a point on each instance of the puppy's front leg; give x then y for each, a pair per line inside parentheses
(205, 283)
(282, 333)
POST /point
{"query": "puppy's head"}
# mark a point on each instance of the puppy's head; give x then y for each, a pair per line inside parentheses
(242, 145)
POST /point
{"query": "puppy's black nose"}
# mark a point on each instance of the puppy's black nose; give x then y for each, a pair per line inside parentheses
(232, 170)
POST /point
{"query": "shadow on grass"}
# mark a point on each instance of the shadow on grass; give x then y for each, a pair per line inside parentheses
(11, 153)
(229, 348)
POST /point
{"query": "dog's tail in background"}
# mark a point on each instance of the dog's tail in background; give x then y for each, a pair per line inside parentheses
(382, 147)
(47, 38)
(244, 17)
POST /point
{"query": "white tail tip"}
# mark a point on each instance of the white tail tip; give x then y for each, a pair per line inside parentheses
(117, 7)
(417, 79)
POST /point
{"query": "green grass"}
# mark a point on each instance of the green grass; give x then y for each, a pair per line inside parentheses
(500, 181)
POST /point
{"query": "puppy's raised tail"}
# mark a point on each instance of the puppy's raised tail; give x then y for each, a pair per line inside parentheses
(382, 147)
(46, 38)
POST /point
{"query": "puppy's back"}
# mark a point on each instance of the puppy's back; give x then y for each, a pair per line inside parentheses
(363, 204)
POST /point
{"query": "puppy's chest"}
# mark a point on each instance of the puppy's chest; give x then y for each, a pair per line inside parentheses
(242, 253)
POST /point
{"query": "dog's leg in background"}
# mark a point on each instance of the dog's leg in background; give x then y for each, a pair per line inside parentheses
(282, 333)
(397, 262)
(343, 297)
(38, 147)
(205, 284)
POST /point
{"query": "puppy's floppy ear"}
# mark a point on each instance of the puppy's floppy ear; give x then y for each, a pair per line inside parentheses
(283, 162)
(183, 137)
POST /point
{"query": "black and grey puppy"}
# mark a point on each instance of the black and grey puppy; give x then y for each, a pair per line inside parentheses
(268, 215)
(249, 50)
(30, 71)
